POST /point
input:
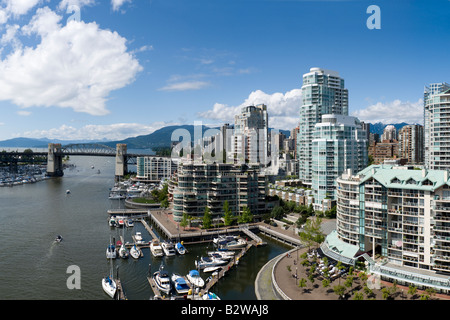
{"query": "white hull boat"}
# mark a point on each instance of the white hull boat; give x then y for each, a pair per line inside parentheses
(156, 248)
(168, 248)
(194, 278)
(180, 248)
(109, 286)
(111, 252)
(162, 280)
(180, 284)
(123, 252)
(135, 252)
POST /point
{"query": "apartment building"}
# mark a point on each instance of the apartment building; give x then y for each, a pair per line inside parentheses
(196, 186)
(155, 169)
(401, 213)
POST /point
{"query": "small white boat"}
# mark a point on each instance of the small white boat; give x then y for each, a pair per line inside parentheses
(108, 283)
(156, 248)
(111, 252)
(194, 278)
(138, 237)
(212, 269)
(67, 191)
(234, 244)
(168, 248)
(123, 252)
(162, 280)
(210, 296)
(112, 222)
(120, 222)
(116, 196)
(224, 255)
(129, 223)
(180, 284)
(205, 262)
(58, 238)
(109, 286)
(180, 248)
(135, 252)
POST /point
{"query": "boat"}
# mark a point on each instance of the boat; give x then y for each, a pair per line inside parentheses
(111, 251)
(168, 248)
(138, 237)
(135, 252)
(67, 191)
(162, 280)
(112, 222)
(58, 238)
(109, 285)
(180, 248)
(210, 296)
(212, 269)
(205, 262)
(156, 248)
(123, 252)
(224, 255)
(116, 196)
(180, 284)
(120, 222)
(194, 278)
(129, 223)
(230, 243)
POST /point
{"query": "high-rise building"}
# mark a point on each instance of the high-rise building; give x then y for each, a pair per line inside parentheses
(154, 168)
(251, 135)
(323, 92)
(389, 133)
(436, 125)
(411, 143)
(339, 143)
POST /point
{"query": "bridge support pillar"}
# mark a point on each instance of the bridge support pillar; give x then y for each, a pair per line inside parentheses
(54, 160)
(121, 160)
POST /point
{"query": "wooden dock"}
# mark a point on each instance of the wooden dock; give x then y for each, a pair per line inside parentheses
(120, 294)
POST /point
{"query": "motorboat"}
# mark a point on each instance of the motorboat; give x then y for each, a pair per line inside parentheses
(112, 222)
(224, 255)
(210, 296)
(209, 262)
(58, 238)
(111, 252)
(223, 239)
(180, 284)
(156, 248)
(129, 223)
(180, 248)
(168, 248)
(116, 196)
(194, 278)
(67, 191)
(138, 237)
(162, 280)
(212, 269)
(123, 252)
(135, 252)
(120, 222)
(236, 243)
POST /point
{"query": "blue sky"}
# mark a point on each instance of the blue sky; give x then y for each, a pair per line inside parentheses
(128, 67)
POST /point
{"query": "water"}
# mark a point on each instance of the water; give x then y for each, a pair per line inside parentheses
(33, 266)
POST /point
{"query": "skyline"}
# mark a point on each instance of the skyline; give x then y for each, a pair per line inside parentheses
(129, 67)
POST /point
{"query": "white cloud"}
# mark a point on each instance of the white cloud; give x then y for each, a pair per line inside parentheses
(117, 131)
(116, 4)
(64, 4)
(396, 111)
(186, 85)
(283, 109)
(76, 66)
(19, 7)
(23, 113)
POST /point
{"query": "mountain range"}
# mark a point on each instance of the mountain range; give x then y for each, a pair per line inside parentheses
(159, 138)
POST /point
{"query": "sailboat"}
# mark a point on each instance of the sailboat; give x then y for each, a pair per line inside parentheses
(135, 252)
(109, 284)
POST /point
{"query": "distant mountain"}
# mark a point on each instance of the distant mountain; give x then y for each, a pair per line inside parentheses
(379, 127)
(159, 138)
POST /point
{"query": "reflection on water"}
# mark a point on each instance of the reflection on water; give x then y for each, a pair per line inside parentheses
(33, 266)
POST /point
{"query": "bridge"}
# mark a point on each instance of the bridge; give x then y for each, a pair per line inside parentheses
(56, 153)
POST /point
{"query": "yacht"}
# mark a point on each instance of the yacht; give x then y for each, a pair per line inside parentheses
(205, 262)
(156, 248)
(224, 255)
(109, 286)
(135, 252)
(180, 284)
(194, 278)
(168, 248)
(138, 237)
(162, 280)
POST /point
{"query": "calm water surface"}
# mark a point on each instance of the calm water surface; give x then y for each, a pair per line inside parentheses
(34, 267)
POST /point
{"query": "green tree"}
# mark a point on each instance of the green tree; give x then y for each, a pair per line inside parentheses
(277, 213)
(184, 220)
(339, 290)
(246, 216)
(312, 234)
(227, 214)
(207, 219)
